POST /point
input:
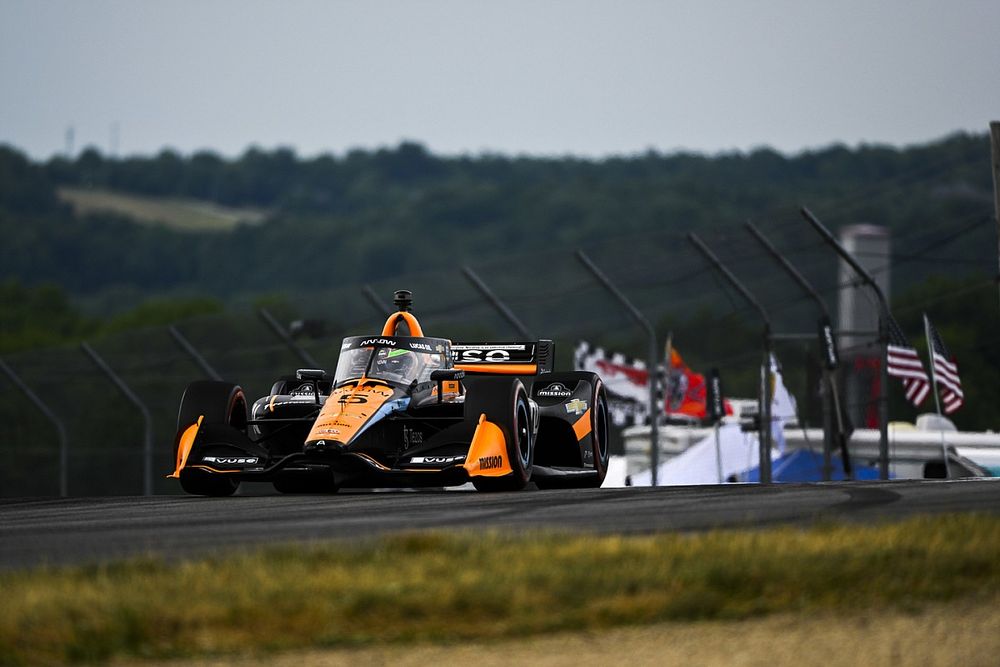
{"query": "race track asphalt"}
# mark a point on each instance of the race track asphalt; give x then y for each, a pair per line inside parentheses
(55, 531)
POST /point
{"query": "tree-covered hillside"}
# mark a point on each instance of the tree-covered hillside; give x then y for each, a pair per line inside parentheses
(377, 214)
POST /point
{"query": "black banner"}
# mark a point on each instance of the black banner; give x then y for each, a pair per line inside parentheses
(828, 344)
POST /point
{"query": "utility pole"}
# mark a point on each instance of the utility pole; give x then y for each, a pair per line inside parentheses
(995, 143)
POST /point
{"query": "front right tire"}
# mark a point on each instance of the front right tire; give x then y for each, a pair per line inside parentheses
(216, 403)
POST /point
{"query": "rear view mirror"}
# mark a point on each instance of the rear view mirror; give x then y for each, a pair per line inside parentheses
(447, 375)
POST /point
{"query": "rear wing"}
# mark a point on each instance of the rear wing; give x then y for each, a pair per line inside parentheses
(522, 358)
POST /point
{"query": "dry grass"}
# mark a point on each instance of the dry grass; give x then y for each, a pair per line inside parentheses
(943, 635)
(182, 214)
(442, 587)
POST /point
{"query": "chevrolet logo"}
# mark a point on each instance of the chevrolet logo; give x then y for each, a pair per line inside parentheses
(576, 407)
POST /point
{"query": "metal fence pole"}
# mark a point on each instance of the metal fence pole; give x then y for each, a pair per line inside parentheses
(828, 347)
(377, 303)
(766, 397)
(652, 360)
(52, 417)
(147, 445)
(192, 352)
(501, 307)
(280, 332)
(883, 338)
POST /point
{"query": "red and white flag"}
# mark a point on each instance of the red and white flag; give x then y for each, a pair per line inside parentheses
(905, 364)
(945, 371)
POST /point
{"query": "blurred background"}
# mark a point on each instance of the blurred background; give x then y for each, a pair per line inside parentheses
(177, 178)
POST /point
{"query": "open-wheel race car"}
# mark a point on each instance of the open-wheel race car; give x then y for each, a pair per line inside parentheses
(401, 410)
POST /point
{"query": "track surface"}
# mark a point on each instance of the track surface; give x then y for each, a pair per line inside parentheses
(85, 530)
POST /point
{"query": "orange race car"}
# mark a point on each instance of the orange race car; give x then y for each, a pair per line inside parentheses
(405, 410)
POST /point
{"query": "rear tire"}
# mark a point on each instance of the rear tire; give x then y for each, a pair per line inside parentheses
(505, 403)
(599, 442)
(600, 435)
(217, 403)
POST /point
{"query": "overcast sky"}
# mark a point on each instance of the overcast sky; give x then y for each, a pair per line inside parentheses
(536, 77)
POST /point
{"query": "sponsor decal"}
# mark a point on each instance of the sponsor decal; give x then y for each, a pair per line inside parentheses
(231, 460)
(306, 388)
(435, 460)
(421, 346)
(576, 407)
(490, 462)
(496, 356)
(331, 431)
(346, 345)
(499, 346)
(412, 437)
(555, 390)
(493, 353)
(377, 341)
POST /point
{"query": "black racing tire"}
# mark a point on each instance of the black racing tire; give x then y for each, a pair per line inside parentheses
(599, 442)
(504, 401)
(601, 432)
(218, 403)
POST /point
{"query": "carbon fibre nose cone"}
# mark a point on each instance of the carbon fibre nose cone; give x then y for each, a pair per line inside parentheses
(324, 447)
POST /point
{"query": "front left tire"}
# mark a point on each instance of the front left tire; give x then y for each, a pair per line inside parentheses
(505, 403)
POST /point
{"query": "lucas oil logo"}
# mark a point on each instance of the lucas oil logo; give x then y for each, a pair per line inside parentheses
(231, 460)
(555, 390)
(490, 462)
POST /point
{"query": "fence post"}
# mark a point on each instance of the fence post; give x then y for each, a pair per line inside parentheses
(652, 361)
(52, 417)
(883, 338)
(500, 306)
(147, 446)
(376, 302)
(192, 352)
(280, 332)
(766, 397)
(829, 361)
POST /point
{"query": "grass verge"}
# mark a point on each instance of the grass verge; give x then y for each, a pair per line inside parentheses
(449, 586)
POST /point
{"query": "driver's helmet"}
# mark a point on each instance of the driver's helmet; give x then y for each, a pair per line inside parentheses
(395, 363)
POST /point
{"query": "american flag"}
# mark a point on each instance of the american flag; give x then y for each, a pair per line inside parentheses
(904, 363)
(945, 371)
